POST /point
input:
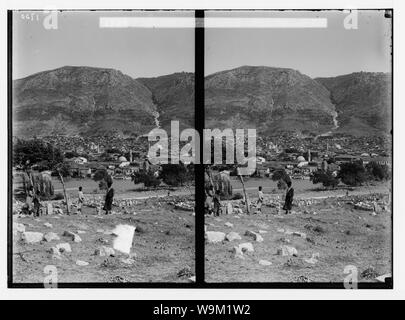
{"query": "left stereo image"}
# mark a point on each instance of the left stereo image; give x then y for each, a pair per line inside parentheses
(102, 183)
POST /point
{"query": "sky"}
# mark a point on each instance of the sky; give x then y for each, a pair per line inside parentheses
(149, 52)
(316, 52)
(78, 41)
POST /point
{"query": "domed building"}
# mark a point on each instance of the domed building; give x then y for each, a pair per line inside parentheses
(122, 159)
(300, 159)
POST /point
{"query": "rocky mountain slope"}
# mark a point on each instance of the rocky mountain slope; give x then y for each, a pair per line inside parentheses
(97, 101)
(81, 100)
(362, 100)
(268, 99)
(173, 95)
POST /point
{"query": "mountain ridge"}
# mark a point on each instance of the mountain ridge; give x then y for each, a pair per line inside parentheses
(97, 101)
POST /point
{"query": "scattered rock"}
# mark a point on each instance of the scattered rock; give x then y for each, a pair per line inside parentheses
(262, 231)
(214, 236)
(102, 240)
(281, 230)
(287, 251)
(246, 246)
(300, 234)
(73, 236)
(128, 261)
(64, 247)
(82, 263)
(54, 251)
(313, 259)
(233, 236)
(238, 253)
(81, 231)
(19, 227)
(32, 237)
(104, 251)
(229, 225)
(48, 225)
(50, 236)
(257, 237)
(265, 263)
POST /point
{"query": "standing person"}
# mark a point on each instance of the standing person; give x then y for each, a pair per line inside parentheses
(29, 199)
(209, 195)
(109, 197)
(80, 201)
(260, 199)
(217, 203)
(37, 204)
(289, 196)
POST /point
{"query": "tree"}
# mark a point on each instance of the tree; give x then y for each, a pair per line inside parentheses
(352, 173)
(34, 151)
(377, 171)
(148, 178)
(281, 175)
(175, 174)
(326, 178)
(27, 153)
(103, 178)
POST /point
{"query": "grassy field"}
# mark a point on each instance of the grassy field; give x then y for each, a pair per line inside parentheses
(338, 233)
(163, 246)
(302, 188)
(122, 188)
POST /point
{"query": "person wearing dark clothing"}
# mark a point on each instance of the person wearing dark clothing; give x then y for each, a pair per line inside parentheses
(289, 196)
(37, 205)
(209, 195)
(217, 203)
(109, 197)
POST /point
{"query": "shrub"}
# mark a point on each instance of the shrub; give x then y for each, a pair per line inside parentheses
(377, 171)
(326, 178)
(147, 178)
(352, 174)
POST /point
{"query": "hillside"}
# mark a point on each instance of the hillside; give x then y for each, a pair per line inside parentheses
(363, 102)
(81, 100)
(268, 99)
(174, 97)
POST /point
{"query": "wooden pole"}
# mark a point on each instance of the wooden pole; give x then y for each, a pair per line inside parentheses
(244, 193)
(64, 192)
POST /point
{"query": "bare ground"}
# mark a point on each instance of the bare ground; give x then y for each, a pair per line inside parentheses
(340, 234)
(163, 244)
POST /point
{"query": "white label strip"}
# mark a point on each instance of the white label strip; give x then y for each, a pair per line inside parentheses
(228, 22)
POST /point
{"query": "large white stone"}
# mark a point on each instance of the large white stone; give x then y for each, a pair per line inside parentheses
(32, 237)
(124, 236)
(233, 236)
(214, 236)
(48, 237)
